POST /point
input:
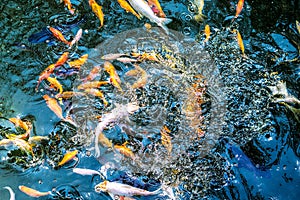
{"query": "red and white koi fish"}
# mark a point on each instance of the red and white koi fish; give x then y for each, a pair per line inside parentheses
(123, 189)
(142, 7)
(118, 113)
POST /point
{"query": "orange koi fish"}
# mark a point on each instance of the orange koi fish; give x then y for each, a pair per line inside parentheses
(114, 77)
(166, 138)
(126, 6)
(155, 4)
(55, 83)
(79, 62)
(240, 42)
(239, 8)
(58, 35)
(97, 9)
(93, 84)
(67, 157)
(123, 189)
(97, 93)
(76, 38)
(69, 6)
(207, 33)
(125, 150)
(68, 95)
(45, 74)
(62, 59)
(19, 123)
(32, 192)
(93, 74)
(53, 105)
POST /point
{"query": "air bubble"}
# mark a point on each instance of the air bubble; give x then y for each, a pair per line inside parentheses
(186, 31)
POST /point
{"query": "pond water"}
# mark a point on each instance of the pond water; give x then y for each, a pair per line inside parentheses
(211, 123)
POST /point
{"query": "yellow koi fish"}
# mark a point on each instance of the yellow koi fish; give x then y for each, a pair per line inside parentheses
(69, 94)
(122, 149)
(79, 62)
(126, 6)
(67, 157)
(19, 123)
(207, 33)
(97, 93)
(32, 192)
(97, 9)
(56, 84)
(114, 77)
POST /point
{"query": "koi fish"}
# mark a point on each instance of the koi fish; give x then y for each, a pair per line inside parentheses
(240, 42)
(200, 4)
(156, 5)
(93, 84)
(239, 8)
(298, 26)
(105, 141)
(32, 192)
(207, 33)
(97, 93)
(85, 172)
(53, 105)
(112, 56)
(141, 82)
(76, 38)
(11, 193)
(62, 59)
(119, 112)
(79, 62)
(126, 6)
(69, 6)
(123, 189)
(93, 74)
(69, 94)
(126, 60)
(22, 136)
(145, 56)
(67, 157)
(97, 9)
(125, 150)
(19, 123)
(144, 9)
(45, 74)
(166, 138)
(58, 35)
(114, 77)
(55, 83)
(23, 145)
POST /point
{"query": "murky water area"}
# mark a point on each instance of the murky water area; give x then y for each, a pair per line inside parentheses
(181, 111)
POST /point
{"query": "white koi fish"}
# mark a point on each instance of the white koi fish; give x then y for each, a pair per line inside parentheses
(123, 189)
(142, 7)
(119, 112)
(11, 192)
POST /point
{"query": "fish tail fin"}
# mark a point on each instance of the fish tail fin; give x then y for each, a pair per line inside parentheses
(163, 23)
(200, 17)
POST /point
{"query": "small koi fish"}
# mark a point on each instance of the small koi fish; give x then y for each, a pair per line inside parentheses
(166, 138)
(123, 189)
(19, 123)
(114, 77)
(240, 42)
(207, 33)
(67, 157)
(68, 95)
(69, 6)
(122, 149)
(200, 4)
(93, 84)
(63, 58)
(126, 6)
(32, 192)
(93, 74)
(97, 9)
(53, 105)
(105, 141)
(142, 81)
(79, 62)
(45, 74)
(76, 38)
(112, 56)
(126, 60)
(156, 5)
(85, 172)
(11, 192)
(239, 8)
(55, 83)
(58, 35)
(97, 93)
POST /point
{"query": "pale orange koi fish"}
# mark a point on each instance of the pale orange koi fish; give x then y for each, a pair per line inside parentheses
(32, 192)
(53, 105)
(122, 149)
(97, 9)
